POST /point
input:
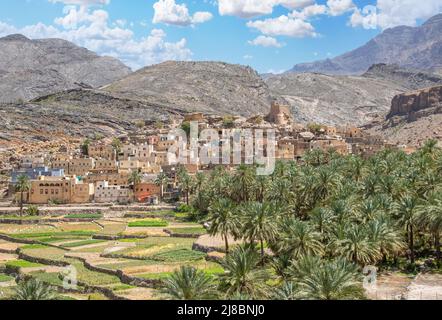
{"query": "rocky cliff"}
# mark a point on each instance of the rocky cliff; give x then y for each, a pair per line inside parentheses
(414, 118)
(32, 68)
(417, 104)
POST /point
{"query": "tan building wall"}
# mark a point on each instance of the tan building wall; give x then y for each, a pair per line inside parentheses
(44, 191)
(194, 117)
(101, 151)
(81, 166)
(82, 193)
(105, 193)
(117, 179)
(143, 191)
(103, 165)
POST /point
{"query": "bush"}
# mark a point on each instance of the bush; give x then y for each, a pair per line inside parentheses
(184, 208)
(32, 210)
(148, 223)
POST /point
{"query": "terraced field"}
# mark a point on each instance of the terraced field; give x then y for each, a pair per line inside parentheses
(124, 258)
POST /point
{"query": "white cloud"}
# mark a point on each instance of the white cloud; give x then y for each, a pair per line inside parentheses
(339, 7)
(93, 30)
(266, 42)
(284, 26)
(309, 11)
(169, 12)
(391, 13)
(255, 8)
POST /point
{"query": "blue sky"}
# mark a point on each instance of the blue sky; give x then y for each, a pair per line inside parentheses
(269, 35)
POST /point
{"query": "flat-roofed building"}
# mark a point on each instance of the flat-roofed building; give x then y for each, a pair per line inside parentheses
(105, 193)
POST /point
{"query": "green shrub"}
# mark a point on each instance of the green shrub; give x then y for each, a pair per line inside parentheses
(184, 208)
(5, 278)
(32, 210)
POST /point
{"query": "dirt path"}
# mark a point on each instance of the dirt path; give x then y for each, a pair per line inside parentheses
(389, 287)
(425, 287)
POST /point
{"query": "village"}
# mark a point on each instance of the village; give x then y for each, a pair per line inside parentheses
(125, 169)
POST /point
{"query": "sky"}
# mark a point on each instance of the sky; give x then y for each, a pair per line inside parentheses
(268, 35)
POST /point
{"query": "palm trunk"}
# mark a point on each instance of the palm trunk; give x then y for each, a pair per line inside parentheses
(21, 203)
(226, 241)
(437, 245)
(187, 197)
(412, 256)
(262, 252)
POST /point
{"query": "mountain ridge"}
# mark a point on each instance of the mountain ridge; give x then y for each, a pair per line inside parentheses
(410, 47)
(31, 68)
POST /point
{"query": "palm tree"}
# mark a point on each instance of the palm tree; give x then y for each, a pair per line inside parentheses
(298, 239)
(429, 217)
(260, 223)
(117, 145)
(405, 210)
(162, 180)
(321, 218)
(242, 181)
(224, 220)
(135, 177)
(243, 275)
(331, 280)
(385, 237)
(23, 185)
(287, 291)
(326, 181)
(185, 182)
(189, 283)
(356, 245)
(85, 147)
(34, 289)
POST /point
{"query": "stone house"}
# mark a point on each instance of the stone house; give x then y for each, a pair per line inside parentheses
(105, 166)
(143, 191)
(81, 166)
(105, 193)
(113, 179)
(279, 114)
(197, 116)
(102, 151)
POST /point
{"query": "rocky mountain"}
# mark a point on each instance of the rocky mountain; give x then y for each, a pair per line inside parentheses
(410, 47)
(154, 93)
(409, 78)
(209, 87)
(32, 68)
(414, 117)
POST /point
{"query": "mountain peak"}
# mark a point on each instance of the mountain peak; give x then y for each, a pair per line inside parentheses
(32, 68)
(409, 47)
(15, 37)
(433, 20)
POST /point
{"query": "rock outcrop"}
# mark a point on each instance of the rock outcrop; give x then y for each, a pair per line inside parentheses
(414, 118)
(417, 104)
(32, 68)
